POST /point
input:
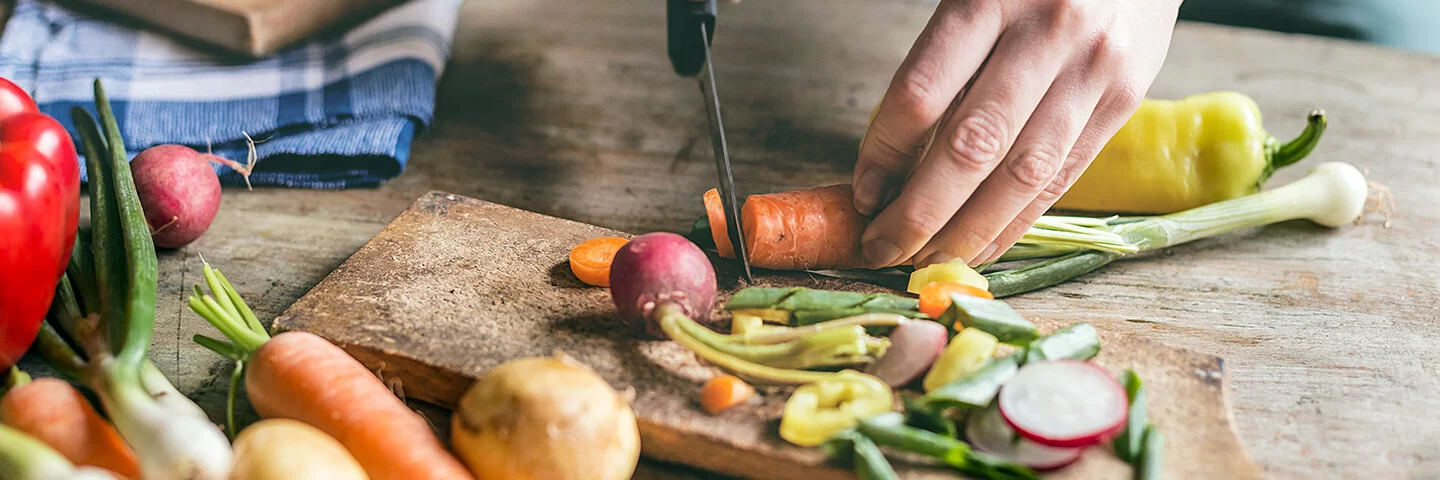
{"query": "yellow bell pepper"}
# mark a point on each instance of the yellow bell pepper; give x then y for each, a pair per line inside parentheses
(818, 411)
(965, 354)
(1174, 155)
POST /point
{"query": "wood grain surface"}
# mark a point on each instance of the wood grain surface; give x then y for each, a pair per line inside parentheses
(570, 109)
(248, 27)
(455, 286)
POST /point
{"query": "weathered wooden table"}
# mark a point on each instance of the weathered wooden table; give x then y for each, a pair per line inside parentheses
(571, 109)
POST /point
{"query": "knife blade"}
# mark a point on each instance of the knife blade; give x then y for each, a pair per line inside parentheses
(722, 158)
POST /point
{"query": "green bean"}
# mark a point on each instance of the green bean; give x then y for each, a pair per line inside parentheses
(976, 389)
(138, 246)
(870, 463)
(1152, 455)
(1078, 341)
(1129, 442)
(920, 415)
(990, 316)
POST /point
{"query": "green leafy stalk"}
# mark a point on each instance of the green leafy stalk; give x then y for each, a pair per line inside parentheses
(139, 248)
(235, 377)
(922, 416)
(106, 231)
(57, 352)
(1047, 273)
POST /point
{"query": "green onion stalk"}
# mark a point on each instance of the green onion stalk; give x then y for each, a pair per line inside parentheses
(105, 305)
(1333, 195)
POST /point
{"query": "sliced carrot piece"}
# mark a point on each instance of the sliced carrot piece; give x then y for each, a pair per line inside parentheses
(935, 296)
(590, 260)
(724, 392)
(719, 230)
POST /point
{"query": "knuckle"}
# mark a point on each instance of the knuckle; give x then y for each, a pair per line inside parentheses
(977, 140)
(1060, 184)
(919, 224)
(916, 94)
(1126, 96)
(890, 152)
(1036, 167)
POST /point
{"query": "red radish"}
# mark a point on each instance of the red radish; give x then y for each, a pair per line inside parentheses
(179, 192)
(914, 345)
(661, 269)
(989, 434)
(1064, 403)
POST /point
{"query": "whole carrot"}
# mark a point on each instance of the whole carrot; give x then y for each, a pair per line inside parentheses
(302, 377)
(53, 412)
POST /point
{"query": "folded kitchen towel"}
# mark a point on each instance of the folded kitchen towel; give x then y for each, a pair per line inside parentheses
(336, 112)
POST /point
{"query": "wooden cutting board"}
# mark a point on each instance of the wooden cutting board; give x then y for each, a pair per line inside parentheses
(249, 27)
(454, 286)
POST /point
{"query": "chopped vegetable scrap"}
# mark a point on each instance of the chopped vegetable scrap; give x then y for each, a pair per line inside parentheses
(818, 411)
(590, 260)
(953, 272)
(935, 297)
(724, 392)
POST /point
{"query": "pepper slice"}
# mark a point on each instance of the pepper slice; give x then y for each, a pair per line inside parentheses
(818, 411)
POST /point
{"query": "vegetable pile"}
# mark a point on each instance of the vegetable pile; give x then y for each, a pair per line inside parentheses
(849, 355)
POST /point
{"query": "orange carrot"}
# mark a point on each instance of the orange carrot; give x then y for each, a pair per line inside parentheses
(55, 413)
(303, 377)
(815, 228)
(723, 392)
(935, 296)
(590, 260)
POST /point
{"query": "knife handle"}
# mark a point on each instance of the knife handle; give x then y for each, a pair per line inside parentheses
(684, 19)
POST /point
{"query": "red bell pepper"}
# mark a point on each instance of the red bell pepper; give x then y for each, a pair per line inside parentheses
(39, 213)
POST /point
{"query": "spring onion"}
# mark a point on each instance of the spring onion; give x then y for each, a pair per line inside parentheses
(110, 313)
(1333, 194)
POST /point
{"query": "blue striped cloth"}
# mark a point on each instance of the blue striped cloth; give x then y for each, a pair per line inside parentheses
(336, 112)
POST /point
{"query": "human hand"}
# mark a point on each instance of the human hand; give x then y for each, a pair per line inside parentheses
(1008, 132)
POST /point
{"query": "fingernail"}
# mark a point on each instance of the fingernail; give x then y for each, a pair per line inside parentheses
(985, 254)
(867, 191)
(934, 258)
(881, 253)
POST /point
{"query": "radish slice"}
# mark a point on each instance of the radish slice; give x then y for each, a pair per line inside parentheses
(914, 345)
(989, 434)
(1064, 403)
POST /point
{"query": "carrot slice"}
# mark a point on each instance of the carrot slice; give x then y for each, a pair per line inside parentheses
(935, 296)
(719, 230)
(724, 392)
(590, 260)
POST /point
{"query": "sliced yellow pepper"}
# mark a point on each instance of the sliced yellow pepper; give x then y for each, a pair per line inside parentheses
(965, 354)
(946, 272)
(818, 411)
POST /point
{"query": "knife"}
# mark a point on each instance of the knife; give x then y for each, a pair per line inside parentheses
(691, 25)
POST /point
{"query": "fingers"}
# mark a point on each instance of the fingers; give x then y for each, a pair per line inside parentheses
(1025, 175)
(945, 56)
(967, 148)
(1113, 111)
